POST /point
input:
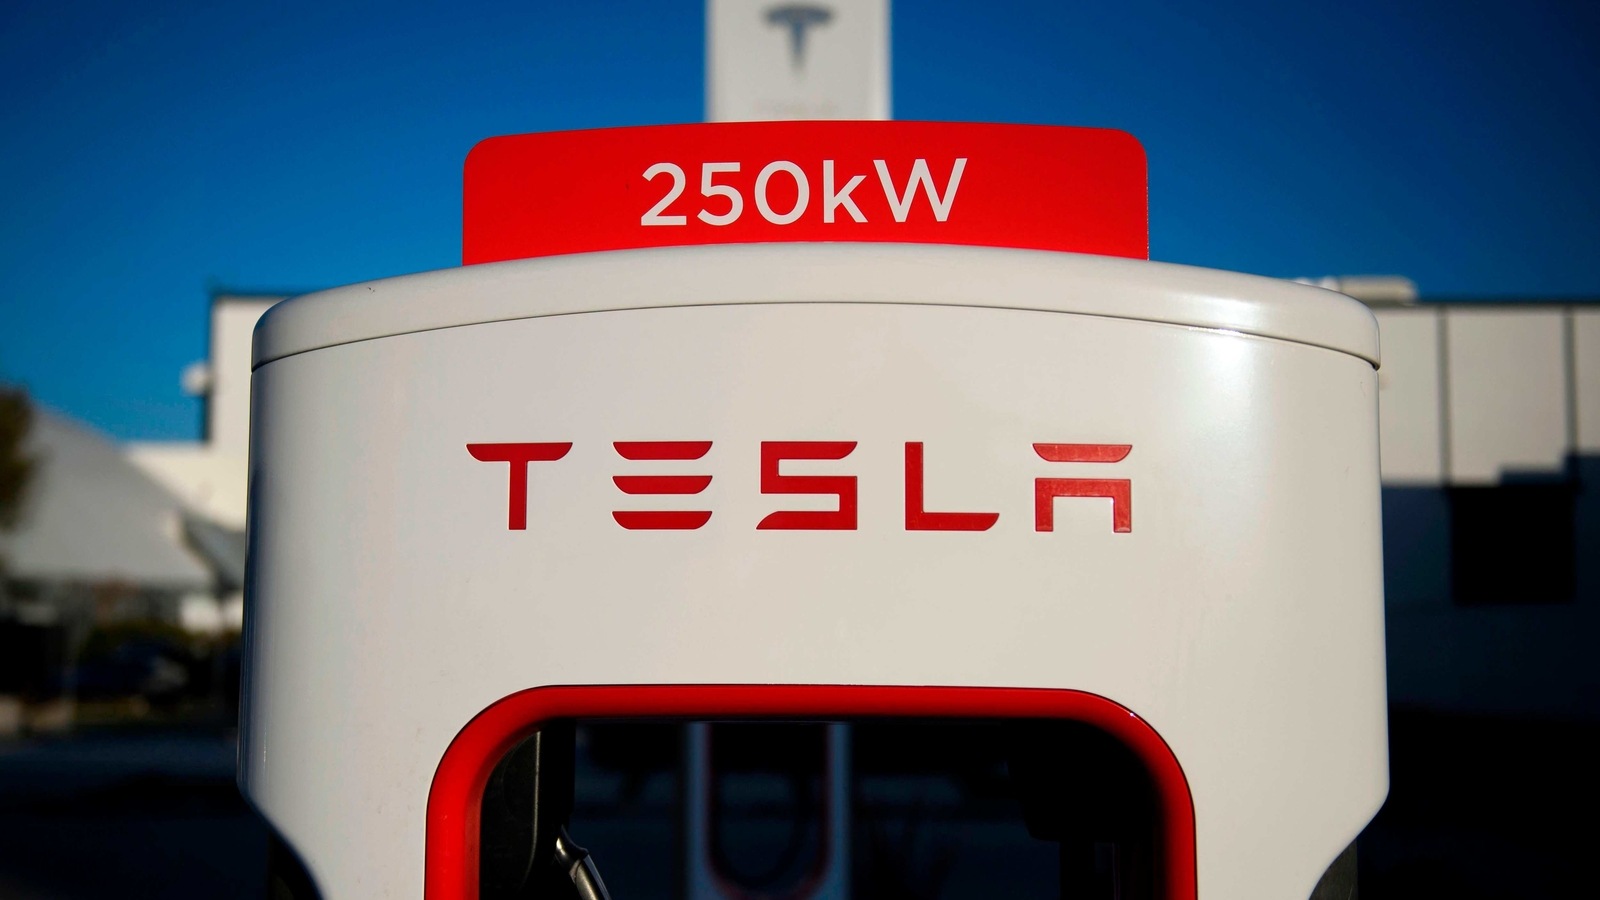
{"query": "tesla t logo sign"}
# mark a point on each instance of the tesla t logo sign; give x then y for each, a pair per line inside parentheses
(798, 18)
(518, 457)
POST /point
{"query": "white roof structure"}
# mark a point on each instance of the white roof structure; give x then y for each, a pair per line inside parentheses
(93, 516)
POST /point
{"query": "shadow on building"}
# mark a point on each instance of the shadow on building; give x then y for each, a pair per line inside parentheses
(1493, 610)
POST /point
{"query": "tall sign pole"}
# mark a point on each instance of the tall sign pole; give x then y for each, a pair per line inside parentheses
(770, 60)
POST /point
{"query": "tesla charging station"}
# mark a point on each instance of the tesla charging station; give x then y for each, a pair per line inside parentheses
(816, 422)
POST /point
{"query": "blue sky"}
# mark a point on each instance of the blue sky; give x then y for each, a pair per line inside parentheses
(152, 151)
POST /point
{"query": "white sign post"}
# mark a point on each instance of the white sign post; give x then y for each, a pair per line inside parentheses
(810, 59)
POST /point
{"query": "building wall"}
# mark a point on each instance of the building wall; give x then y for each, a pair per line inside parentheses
(210, 482)
(211, 475)
(1490, 433)
(233, 322)
(1410, 414)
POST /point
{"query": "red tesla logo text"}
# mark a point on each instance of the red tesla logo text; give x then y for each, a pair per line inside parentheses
(518, 456)
(661, 520)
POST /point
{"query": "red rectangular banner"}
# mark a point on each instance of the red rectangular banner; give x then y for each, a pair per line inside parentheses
(1037, 187)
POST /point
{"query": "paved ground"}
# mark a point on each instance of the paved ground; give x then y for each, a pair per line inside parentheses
(127, 816)
(1485, 808)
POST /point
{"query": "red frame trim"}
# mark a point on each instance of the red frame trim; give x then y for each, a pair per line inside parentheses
(451, 846)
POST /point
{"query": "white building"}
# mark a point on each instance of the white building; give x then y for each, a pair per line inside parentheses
(1490, 429)
(211, 475)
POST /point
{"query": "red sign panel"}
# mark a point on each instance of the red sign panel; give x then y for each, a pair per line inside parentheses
(1029, 186)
